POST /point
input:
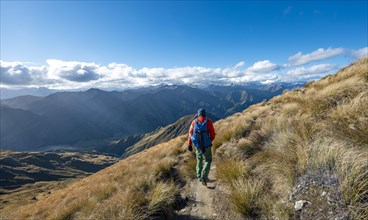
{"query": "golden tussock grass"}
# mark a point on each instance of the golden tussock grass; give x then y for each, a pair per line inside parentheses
(246, 196)
(188, 167)
(162, 196)
(323, 127)
(236, 125)
(138, 187)
(350, 165)
(350, 120)
(231, 170)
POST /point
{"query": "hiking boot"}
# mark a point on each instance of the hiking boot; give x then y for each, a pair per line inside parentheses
(210, 181)
(203, 181)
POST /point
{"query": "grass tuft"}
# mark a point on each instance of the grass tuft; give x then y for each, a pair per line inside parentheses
(162, 197)
(231, 170)
(245, 196)
(188, 167)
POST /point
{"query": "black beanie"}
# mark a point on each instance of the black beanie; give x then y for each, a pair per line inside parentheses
(202, 112)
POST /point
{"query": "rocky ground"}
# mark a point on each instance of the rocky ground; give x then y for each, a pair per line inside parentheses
(316, 195)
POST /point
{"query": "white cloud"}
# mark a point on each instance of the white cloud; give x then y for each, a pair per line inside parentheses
(360, 53)
(313, 70)
(264, 66)
(18, 73)
(240, 64)
(59, 74)
(317, 55)
(73, 71)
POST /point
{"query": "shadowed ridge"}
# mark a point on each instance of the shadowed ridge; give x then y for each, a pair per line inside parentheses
(164, 134)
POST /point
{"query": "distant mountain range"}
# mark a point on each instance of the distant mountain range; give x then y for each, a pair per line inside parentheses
(12, 93)
(71, 118)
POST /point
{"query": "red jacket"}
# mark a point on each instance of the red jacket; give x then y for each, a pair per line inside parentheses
(211, 129)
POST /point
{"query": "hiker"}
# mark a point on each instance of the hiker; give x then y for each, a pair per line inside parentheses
(201, 135)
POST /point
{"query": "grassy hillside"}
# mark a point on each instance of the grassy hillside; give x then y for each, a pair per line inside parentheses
(310, 144)
(142, 185)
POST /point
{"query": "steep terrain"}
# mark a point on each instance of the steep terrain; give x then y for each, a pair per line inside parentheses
(308, 146)
(301, 155)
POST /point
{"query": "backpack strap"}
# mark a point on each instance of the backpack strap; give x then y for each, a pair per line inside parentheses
(205, 121)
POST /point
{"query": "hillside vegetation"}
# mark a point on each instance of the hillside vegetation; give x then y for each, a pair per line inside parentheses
(143, 185)
(307, 144)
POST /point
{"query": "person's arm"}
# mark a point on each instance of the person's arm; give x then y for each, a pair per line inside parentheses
(190, 133)
(211, 129)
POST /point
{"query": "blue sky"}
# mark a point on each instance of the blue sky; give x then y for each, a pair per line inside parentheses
(85, 44)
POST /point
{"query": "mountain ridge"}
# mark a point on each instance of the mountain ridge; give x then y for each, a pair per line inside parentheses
(130, 145)
(70, 118)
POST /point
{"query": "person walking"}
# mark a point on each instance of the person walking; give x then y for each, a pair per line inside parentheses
(201, 135)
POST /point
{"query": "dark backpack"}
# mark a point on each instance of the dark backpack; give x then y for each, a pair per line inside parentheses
(201, 137)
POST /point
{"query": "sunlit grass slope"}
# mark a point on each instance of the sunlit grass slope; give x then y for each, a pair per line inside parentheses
(264, 156)
(319, 133)
(142, 186)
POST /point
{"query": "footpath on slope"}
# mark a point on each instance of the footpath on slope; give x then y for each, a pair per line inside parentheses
(206, 202)
(200, 199)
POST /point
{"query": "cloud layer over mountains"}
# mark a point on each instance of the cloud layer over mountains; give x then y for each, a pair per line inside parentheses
(59, 74)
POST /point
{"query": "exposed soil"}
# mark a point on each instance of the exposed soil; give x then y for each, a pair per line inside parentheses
(206, 202)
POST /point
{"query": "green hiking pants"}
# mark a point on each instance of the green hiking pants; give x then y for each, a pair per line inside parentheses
(204, 170)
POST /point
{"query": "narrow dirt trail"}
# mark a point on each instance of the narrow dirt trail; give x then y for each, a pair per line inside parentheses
(201, 200)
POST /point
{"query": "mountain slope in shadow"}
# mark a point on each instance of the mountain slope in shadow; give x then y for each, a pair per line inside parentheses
(72, 118)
